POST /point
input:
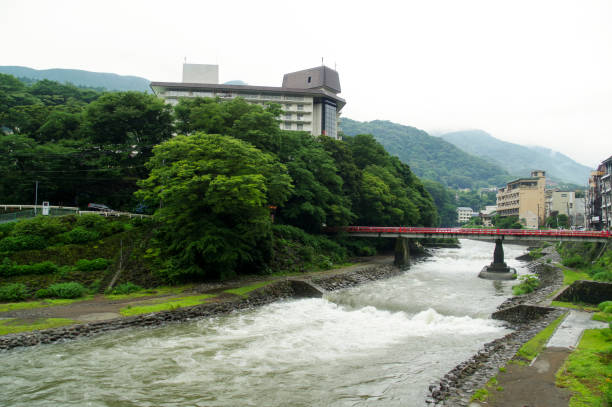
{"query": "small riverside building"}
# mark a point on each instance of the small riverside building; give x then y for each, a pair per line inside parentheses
(525, 198)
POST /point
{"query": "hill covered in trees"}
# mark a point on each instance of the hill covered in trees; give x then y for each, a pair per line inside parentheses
(430, 157)
(102, 80)
(517, 159)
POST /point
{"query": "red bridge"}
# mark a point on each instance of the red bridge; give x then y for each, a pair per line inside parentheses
(479, 234)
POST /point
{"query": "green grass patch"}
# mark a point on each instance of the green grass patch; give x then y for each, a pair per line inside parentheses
(13, 325)
(602, 316)
(569, 275)
(587, 372)
(574, 305)
(245, 290)
(12, 306)
(532, 348)
(171, 304)
(163, 290)
(480, 395)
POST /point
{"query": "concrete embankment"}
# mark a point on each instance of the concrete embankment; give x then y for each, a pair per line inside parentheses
(311, 286)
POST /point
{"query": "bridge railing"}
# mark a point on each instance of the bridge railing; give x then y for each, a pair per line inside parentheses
(475, 232)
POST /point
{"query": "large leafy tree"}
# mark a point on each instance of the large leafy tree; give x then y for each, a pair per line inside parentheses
(214, 194)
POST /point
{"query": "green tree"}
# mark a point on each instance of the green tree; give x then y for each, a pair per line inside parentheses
(214, 194)
(445, 202)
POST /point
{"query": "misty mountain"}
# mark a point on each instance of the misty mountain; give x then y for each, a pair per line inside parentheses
(517, 159)
(108, 81)
(430, 157)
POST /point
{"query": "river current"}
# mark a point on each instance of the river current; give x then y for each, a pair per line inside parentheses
(381, 343)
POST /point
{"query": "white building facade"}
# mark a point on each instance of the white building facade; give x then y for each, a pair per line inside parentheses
(308, 98)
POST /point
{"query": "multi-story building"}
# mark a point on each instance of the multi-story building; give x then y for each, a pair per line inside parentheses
(599, 197)
(309, 98)
(464, 214)
(524, 198)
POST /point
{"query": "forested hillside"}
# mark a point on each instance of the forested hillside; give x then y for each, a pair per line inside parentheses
(212, 189)
(430, 157)
(519, 160)
(108, 81)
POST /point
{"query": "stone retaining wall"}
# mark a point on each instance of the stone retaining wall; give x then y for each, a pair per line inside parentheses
(590, 292)
(282, 289)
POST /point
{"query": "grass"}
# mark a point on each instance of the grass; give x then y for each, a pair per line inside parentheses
(532, 348)
(602, 316)
(570, 275)
(587, 372)
(12, 306)
(174, 303)
(163, 290)
(244, 290)
(485, 393)
(13, 325)
(575, 305)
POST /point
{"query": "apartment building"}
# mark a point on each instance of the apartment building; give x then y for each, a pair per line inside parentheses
(464, 214)
(599, 197)
(309, 98)
(525, 198)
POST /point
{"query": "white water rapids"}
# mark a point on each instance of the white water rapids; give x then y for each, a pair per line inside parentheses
(381, 343)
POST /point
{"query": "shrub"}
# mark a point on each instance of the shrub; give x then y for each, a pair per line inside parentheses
(92, 221)
(66, 290)
(92, 265)
(18, 243)
(605, 306)
(529, 283)
(43, 226)
(115, 227)
(80, 235)
(603, 276)
(6, 229)
(13, 292)
(574, 261)
(10, 268)
(126, 288)
(43, 293)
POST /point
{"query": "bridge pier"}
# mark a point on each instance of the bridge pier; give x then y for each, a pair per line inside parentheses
(402, 252)
(498, 270)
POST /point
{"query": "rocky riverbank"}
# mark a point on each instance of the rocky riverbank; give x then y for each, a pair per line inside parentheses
(278, 290)
(522, 314)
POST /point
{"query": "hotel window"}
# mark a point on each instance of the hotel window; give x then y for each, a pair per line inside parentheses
(287, 116)
(300, 107)
(299, 116)
(330, 120)
(300, 126)
(288, 106)
(287, 126)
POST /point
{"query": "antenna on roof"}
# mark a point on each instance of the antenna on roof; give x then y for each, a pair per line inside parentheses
(322, 61)
(335, 66)
(185, 60)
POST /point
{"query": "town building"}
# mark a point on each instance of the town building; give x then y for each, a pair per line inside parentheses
(486, 215)
(464, 214)
(524, 198)
(308, 98)
(599, 197)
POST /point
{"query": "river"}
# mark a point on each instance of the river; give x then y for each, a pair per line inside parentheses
(381, 343)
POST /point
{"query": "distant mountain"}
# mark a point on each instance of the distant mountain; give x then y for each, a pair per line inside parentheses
(430, 157)
(517, 159)
(108, 81)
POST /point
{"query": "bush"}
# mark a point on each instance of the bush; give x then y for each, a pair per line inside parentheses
(43, 226)
(92, 265)
(18, 243)
(126, 288)
(10, 268)
(66, 290)
(79, 235)
(92, 221)
(605, 306)
(13, 292)
(605, 276)
(43, 293)
(574, 261)
(529, 283)
(6, 229)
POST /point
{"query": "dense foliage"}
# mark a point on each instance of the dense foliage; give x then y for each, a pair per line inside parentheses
(430, 157)
(591, 258)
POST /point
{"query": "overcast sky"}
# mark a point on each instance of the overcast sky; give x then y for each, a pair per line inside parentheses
(533, 72)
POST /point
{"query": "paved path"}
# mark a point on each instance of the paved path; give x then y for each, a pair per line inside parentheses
(570, 331)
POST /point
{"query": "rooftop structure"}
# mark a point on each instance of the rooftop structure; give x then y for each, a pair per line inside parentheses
(308, 98)
(599, 197)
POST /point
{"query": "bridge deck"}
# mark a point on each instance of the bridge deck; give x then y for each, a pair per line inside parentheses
(480, 234)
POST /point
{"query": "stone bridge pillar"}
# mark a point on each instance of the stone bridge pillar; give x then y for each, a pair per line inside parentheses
(498, 270)
(402, 252)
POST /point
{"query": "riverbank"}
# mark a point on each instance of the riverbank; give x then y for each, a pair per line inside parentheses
(224, 298)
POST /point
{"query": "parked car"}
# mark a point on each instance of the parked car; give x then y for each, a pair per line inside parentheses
(99, 207)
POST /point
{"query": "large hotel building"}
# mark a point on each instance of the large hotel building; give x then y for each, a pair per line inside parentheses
(525, 198)
(309, 98)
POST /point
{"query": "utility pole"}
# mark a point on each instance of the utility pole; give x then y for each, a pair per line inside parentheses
(36, 198)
